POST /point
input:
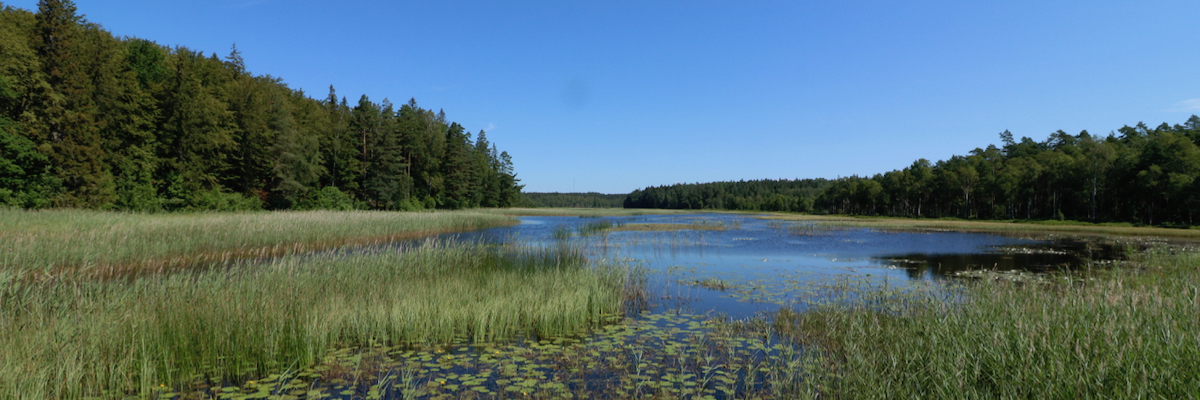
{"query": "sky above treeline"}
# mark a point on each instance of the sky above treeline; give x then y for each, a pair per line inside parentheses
(614, 96)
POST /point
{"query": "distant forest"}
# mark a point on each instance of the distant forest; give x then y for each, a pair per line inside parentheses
(1136, 174)
(585, 200)
(90, 120)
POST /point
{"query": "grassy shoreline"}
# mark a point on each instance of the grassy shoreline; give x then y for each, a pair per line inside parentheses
(86, 337)
(104, 244)
(1013, 227)
(1126, 332)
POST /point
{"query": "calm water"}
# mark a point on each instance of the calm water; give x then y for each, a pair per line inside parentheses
(751, 266)
(767, 263)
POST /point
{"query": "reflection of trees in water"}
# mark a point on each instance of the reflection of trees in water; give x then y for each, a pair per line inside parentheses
(1061, 255)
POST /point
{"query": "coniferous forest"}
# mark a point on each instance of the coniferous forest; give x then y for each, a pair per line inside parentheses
(95, 121)
(1136, 174)
(578, 200)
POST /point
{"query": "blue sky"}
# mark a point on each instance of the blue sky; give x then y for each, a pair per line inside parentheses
(612, 96)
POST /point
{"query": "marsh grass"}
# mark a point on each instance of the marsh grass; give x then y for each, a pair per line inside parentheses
(1009, 227)
(102, 244)
(579, 212)
(73, 338)
(1128, 332)
(662, 227)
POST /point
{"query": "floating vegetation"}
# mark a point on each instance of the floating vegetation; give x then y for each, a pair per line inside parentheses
(652, 356)
(694, 226)
(712, 283)
(82, 338)
(597, 227)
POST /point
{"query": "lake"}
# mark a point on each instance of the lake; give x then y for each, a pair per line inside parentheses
(763, 264)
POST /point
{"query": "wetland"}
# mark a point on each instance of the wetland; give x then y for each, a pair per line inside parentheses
(673, 305)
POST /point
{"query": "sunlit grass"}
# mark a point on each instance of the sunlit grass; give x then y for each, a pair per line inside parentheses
(1019, 227)
(76, 338)
(114, 243)
(662, 227)
(1129, 332)
(580, 212)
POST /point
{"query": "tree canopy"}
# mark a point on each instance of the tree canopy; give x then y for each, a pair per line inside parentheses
(95, 121)
(1135, 174)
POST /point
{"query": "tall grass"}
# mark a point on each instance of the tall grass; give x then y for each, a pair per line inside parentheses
(71, 338)
(581, 212)
(112, 243)
(1015, 227)
(1125, 333)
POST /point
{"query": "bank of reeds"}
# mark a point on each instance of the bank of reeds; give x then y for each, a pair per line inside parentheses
(113, 243)
(580, 212)
(702, 225)
(1018, 227)
(74, 338)
(1128, 332)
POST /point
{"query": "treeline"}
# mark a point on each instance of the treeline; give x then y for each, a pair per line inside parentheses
(91, 120)
(584, 200)
(759, 195)
(1136, 174)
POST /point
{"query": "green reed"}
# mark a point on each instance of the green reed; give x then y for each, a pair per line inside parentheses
(114, 243)
(75, 338)
(1126, 332)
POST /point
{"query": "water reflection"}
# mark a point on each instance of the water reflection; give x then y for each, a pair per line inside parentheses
(739, 265)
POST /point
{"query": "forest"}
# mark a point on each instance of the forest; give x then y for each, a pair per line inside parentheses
(89, 120)
(578, 200)
(1135, 174)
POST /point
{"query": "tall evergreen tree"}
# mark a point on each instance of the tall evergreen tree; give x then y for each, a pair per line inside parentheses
(67, 110)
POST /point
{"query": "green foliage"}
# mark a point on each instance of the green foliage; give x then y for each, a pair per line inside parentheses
(574, 200)
(218, 200)
(761, 195)
(1137, 174)
(1120, 333)
(25, 180)
(327, 198)
(72, 339)
(133, 125)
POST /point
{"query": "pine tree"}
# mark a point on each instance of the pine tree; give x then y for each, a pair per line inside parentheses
(67, 109)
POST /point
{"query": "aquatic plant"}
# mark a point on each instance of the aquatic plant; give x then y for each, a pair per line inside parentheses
(1126, 332)
(113, 243)
(73, 338)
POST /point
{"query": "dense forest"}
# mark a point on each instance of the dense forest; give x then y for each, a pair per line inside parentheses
(91, 120)
(582, 200)
(760, 195)
(1136, 174)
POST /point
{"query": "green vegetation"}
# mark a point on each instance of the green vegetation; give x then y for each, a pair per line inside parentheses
(1134, 175)
(95, 243)
(1127, 332)
(69, 338)
(825, 222)
(654, 356)
(694, 226)
(572, 200)
(88, 120)
(759, 195)
(577, 212)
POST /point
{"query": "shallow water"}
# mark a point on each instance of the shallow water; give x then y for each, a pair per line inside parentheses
(734, 265)
(764, 264)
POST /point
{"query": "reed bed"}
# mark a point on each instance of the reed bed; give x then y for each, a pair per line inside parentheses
(581, 212)
(77, 338)
(1128, 332)
(113, 243)
(693, 226)
(1014, 227)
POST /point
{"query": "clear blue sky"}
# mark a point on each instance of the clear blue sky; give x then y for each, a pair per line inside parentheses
(612, 96)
